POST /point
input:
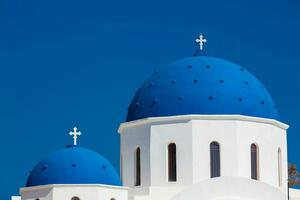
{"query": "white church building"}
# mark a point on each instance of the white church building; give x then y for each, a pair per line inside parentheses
(199, 128)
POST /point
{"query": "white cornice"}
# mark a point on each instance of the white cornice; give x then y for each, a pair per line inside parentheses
(50, 186)
(171, 119)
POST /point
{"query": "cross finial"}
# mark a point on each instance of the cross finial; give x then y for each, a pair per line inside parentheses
(75, 135)
(201, 40)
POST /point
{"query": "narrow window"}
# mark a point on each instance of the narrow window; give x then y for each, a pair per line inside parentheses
(254, 162)
(138, 166)
(172, 167)
(214, 159)
(279, 168)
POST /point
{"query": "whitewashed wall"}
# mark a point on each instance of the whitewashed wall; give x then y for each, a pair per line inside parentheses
(40, 192)
(66, 192)
(294, 194)
(134, 137)
(193, 135)
(231, 188)
(235, 138)
(161, 136)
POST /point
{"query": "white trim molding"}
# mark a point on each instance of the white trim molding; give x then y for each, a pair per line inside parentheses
(50, 186)
(172, 119)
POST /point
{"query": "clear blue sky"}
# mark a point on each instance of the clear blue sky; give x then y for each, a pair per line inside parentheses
(66, 63)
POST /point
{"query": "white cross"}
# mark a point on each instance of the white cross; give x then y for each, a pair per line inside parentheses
(201, 40)
(75, 135)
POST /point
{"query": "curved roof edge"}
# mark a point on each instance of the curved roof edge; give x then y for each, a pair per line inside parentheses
(201, 117)
(230, 187)
(50, 186)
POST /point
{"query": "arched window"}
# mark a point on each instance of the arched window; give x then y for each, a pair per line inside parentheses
(279, 168)
(75, 198)
(254, 162)
(172, 165)
(138, 166)
(215, 159)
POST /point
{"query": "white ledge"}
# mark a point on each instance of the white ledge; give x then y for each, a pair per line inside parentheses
(171, 119)
(50, 186)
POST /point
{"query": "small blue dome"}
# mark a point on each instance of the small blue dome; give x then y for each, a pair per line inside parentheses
(73, 165)
(202, 85)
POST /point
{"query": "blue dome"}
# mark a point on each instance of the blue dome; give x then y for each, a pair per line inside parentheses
(202, 85)
(73, 165)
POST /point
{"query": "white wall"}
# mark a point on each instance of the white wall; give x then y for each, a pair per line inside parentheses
(40, 192)
(161, 136)
(132, 138)
(231, 188)
(193, 135)
(221, 131)
(294, 194)
(268, 138)
(235, 138)
(66, 192)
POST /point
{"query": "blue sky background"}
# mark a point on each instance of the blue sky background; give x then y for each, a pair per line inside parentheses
(67, 63)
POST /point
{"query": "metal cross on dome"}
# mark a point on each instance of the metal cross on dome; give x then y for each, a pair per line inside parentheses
(75, 135)
(201, 40)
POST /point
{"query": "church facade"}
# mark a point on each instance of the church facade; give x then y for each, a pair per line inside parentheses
(199, 128)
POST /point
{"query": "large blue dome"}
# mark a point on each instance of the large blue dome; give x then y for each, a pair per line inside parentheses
(202, 85)
(73, 165)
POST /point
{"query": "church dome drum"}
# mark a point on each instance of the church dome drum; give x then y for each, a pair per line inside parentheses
(205, 86)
